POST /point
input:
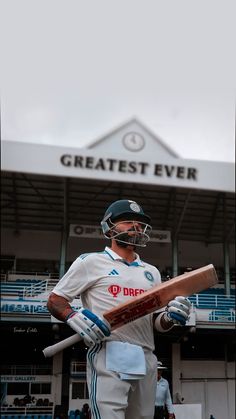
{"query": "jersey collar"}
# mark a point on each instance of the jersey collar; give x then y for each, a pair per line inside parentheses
(113, 255)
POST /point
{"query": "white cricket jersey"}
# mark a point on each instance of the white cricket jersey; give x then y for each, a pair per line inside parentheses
(103, 280)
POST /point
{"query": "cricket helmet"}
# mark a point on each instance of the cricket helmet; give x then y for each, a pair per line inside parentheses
(126, 210)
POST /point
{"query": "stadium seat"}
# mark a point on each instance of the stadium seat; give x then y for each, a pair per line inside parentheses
(72, 414)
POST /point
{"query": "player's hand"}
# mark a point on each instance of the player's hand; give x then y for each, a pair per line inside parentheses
(178, 310)
(171, 416)
(91, 327)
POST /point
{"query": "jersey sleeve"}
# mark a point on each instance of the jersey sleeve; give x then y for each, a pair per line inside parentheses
(74, 282)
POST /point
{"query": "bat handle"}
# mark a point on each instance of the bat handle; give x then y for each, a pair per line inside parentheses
(63, 344)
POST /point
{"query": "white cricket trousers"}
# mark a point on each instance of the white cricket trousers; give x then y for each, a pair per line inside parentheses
(113, 398)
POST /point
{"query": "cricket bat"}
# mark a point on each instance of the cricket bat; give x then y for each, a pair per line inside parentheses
(154, 299)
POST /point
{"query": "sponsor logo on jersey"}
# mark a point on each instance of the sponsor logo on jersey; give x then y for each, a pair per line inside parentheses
(114, 290)
(149, 276)
(127, 291)
(113, 272)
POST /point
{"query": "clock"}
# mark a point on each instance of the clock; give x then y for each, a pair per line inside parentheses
(133, 141)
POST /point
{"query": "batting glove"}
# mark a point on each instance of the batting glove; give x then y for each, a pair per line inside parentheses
(89, 326)
(178, 310)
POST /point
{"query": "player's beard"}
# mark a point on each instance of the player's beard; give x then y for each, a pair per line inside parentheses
(125, 237)
(122, 244)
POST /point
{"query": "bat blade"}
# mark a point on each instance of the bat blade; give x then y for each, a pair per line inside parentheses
(150, 301)
(158, 296)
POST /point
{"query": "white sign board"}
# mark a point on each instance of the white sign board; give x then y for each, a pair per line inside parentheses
(118, 167)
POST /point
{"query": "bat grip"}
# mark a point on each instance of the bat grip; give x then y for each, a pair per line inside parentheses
(63, 344)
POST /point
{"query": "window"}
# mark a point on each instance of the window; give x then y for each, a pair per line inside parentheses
(79, 390)
(18, 388)
(41, 388)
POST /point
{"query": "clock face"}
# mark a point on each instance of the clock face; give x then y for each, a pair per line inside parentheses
(133, 141)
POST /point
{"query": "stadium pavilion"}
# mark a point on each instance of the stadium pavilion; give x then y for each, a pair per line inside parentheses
(53, 199)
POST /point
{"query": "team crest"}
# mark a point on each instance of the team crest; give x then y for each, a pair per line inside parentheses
(134, 206)
(149, 276)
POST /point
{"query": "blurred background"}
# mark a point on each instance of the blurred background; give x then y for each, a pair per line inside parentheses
(73, 70)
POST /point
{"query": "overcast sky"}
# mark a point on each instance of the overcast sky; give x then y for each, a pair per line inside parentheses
(73, 70)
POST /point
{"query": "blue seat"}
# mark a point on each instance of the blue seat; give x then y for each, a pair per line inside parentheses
(72, 414)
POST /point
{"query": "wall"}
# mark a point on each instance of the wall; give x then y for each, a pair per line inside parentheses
(186, 411)
(203, 381)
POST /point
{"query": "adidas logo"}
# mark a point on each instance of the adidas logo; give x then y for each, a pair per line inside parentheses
(114, 272)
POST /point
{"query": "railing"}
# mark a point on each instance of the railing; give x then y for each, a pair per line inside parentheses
(213, 301)
(222, 316)
(22, 289)
(28, 411)
(48, 275)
